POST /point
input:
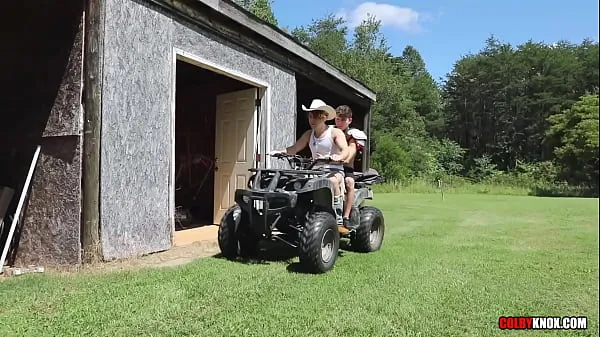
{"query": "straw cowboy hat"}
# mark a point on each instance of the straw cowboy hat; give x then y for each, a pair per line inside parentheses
(319, 105)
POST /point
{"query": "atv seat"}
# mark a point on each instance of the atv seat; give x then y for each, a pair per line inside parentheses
(367, 178)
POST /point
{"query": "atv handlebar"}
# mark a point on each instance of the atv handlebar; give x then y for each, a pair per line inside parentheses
(296, 162)
(309, 163)
(280, 155)
(327, 160)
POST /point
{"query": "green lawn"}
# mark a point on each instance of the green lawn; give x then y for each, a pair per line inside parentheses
(446, 268)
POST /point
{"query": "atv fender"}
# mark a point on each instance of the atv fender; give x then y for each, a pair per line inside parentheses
(321, 191)
(362, 194)
(323, 198)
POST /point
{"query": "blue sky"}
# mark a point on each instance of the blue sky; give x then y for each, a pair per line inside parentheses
(443, 31)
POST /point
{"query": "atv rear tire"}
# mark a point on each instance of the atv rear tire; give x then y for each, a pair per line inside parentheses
(319, 243)
(369, 234)
(234, 236)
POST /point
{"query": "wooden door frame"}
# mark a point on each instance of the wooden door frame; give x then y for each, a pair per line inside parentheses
(264, 88)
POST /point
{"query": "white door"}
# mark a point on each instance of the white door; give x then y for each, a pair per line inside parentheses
(234, 146)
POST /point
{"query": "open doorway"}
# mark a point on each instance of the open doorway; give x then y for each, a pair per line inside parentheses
(215, 138)
(40, 100)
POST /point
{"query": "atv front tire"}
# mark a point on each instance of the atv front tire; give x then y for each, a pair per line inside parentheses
(354, 218)
(369, 234)
(319, 243)
(234, 236)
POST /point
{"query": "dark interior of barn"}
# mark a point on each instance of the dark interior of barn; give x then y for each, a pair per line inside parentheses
(195, 111)
(36, 45)
(307, 90)
(39, 41)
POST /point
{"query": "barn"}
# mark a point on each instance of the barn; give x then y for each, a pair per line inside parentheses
(148, 114)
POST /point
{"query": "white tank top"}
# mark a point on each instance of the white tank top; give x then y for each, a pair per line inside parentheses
(324, 146)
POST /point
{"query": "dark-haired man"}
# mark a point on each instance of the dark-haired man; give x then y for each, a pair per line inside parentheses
(356, 140)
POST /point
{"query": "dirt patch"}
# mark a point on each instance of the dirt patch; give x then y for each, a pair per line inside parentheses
(176, 256)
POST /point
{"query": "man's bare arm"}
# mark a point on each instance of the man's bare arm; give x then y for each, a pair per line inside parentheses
(340, 140)
(300, 144)
(351, 152)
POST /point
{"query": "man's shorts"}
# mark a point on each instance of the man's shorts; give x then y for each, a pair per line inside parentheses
(335, 171)
(349, 171)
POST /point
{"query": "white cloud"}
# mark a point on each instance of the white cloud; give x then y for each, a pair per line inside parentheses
(405, 19)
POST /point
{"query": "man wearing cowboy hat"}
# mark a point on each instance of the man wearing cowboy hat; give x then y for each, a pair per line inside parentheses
(325, 141)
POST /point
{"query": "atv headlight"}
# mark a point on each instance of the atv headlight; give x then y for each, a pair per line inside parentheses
(298, 184)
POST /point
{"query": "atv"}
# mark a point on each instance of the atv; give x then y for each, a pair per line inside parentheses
(295, 206)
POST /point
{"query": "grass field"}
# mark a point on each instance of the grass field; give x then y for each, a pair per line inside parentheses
(447, 268)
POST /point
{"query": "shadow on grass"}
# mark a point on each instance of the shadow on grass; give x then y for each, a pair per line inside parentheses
(565, 191)
(278, 252)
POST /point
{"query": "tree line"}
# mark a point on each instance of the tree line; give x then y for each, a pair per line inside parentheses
(524, 114)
